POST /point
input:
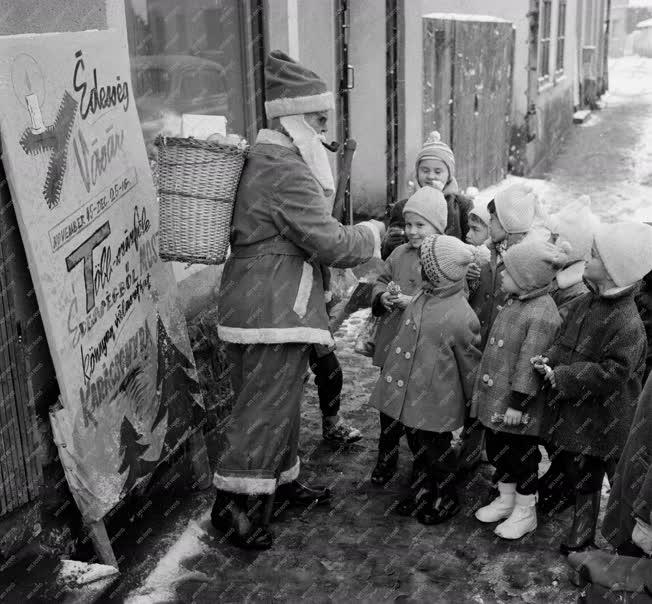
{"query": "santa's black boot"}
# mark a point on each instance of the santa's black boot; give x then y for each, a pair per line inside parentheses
(585, 522)
(241, 522)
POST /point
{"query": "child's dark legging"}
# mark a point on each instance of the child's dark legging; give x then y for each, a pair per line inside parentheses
(516, 458)
(329, 381)
(435, 461)
(389, 439)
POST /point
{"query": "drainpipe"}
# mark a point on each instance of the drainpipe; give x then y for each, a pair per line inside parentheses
(607, 33)
(533, 71)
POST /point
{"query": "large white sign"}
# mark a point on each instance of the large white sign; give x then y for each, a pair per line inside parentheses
(87, 211)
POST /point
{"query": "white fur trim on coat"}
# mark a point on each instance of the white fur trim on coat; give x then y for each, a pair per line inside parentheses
(254, 485)
(275, 335)
(376, 233)
(303, 293)
(291, 474)
(244, 485)
(299, 105)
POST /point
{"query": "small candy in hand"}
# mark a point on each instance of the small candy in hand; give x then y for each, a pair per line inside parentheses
(499, 418)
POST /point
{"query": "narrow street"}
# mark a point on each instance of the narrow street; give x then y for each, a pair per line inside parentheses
(358, 550)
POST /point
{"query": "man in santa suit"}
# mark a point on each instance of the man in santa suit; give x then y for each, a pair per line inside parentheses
(271, 300)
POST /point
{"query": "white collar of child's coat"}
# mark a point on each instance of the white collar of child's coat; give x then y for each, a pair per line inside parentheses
(571, 275)
(274, 137)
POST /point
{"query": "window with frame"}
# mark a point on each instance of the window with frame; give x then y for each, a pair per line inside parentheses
(195, 57)
(544, 39)
(561, 37)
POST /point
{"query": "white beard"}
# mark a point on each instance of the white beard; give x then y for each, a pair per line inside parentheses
(311, 149)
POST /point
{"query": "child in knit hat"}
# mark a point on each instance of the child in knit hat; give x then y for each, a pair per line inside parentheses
(427, 378)
(478, 236)
(425, 214)
(478, 276)
(511, 216)
(507, 398)
(575, 224)
(594, 370)
(435, 167)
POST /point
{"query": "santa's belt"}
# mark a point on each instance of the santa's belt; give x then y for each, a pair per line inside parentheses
(274, 245)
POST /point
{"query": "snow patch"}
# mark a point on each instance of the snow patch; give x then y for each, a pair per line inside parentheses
(74, 572)
(161, 583)
(465, 17)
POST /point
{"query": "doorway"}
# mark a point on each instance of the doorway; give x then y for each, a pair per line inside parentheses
(467, 92)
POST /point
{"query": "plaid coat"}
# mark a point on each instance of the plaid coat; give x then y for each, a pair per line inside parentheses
(487, 296)
(631, 492)
(598, 359)
(524, 327)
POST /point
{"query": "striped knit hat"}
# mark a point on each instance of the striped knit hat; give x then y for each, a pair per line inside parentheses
(434, 148)
(445, 260)
(291, 89)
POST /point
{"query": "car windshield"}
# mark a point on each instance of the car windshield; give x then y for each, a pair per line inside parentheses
(152, 81)
(202, 83)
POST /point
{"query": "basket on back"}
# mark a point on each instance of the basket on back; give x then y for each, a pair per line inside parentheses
(197, 184)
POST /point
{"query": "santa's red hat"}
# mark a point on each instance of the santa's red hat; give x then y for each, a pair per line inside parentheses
(291, 89)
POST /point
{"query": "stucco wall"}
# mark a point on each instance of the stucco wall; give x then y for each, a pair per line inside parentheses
(554, 121)
(37, 16)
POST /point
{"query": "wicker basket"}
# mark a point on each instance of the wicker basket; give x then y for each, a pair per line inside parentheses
(197, 184)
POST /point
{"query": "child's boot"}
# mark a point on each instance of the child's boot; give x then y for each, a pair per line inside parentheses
(501, 507)
(522, 520)
(585, 521)
(443, 505)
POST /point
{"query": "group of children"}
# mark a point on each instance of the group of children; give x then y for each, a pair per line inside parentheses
(527, 334)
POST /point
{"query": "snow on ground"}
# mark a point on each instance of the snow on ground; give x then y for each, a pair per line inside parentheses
(611, 161)
(160, 584)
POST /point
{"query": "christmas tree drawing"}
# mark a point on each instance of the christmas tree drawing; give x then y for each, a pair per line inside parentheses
(179, 393)
(132, 451)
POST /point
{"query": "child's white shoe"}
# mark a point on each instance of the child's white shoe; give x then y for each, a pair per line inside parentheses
(522, 520)
(501, 507)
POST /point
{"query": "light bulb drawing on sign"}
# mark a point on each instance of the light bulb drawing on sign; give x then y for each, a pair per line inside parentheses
(29, 87)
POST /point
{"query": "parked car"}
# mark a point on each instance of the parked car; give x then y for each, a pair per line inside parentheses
(166, 86)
